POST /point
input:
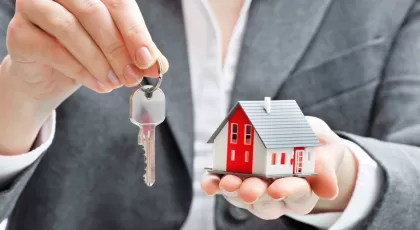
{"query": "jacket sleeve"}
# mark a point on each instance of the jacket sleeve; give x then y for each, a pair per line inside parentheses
(394, 138)
(11, 190)
(7, 10)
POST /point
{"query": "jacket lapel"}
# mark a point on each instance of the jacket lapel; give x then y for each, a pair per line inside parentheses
(277, 35)
(164, 20)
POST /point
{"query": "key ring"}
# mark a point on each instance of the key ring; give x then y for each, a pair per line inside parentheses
(154, 87)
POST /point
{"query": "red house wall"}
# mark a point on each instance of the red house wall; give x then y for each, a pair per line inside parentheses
(240, 162)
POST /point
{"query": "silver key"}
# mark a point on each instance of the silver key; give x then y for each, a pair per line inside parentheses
(147, 110)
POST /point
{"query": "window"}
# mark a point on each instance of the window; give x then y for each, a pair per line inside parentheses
(309, 156)
(246, 156)
(247, 134)
(234, 133)
(299, 161)
(273, 159)
(283, 158)
(232, 155)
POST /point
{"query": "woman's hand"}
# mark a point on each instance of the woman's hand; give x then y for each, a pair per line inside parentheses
(55, 47)
(270, 199)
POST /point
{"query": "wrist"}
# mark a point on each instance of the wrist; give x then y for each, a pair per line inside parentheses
(21, 116)
(346, 179)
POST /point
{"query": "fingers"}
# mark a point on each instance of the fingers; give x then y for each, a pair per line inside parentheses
(35, 45)
(64, 26)
(292, 188)
(230, 183)
(324, 184)
(296, 193)
(328, 158)
(251, 195)
(210, 183)
(248, 190)
(265, 200)
(102, 50)
(106, 36)
(268, 209)
(129, 20)
(252, 189)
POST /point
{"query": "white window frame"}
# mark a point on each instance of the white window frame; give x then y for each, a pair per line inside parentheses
(248, 134)
(232, 133)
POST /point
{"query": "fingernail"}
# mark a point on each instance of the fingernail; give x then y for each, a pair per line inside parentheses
(209, 194)
(251, 202)
(104, 87)
(113, 78)
(230, 194)
(165, 62)
(130, 76)
(144, 58)
(336, 195)
(282, 197)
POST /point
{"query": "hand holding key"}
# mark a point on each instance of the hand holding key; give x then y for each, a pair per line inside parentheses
(147, 110)
(100, 44)
(57, 46)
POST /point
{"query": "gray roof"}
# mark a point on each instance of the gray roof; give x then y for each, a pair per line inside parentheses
(284, 127)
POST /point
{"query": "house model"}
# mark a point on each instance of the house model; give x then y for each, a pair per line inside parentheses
(266, 139)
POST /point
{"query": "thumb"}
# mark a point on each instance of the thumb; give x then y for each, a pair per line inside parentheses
(324, 184)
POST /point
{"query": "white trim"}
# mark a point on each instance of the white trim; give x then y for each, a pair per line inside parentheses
(248, 134)
(231, 133)
(232, 155)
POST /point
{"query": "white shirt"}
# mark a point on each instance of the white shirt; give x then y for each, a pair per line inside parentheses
(212, 84)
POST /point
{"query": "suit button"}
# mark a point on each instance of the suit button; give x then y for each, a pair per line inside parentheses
(238, 213)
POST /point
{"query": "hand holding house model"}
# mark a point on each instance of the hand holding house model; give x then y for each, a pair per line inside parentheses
(267, 139)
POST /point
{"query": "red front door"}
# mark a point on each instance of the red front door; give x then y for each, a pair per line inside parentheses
(240, 143)
(298, 160)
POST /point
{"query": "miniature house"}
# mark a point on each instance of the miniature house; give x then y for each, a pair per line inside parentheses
(264, 138)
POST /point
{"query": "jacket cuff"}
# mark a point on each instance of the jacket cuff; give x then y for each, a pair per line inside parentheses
(11, 166)
(400, 182)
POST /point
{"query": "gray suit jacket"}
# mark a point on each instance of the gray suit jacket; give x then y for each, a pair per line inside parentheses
(353, 63)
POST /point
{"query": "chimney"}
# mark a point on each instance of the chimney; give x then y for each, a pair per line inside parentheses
(267, 104)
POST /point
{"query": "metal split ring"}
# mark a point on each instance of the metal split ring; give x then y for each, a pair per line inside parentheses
(156, 86)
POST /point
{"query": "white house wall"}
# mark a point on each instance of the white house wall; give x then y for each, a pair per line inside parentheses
(308, 161)
(258, 162)
(220, 150)
(278, 168)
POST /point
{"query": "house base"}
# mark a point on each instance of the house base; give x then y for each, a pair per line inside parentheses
(210, 170)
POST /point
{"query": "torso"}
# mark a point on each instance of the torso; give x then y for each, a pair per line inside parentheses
(227, 14)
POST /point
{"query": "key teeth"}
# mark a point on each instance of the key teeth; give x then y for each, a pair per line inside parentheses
(148, 183)
(145, 169)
